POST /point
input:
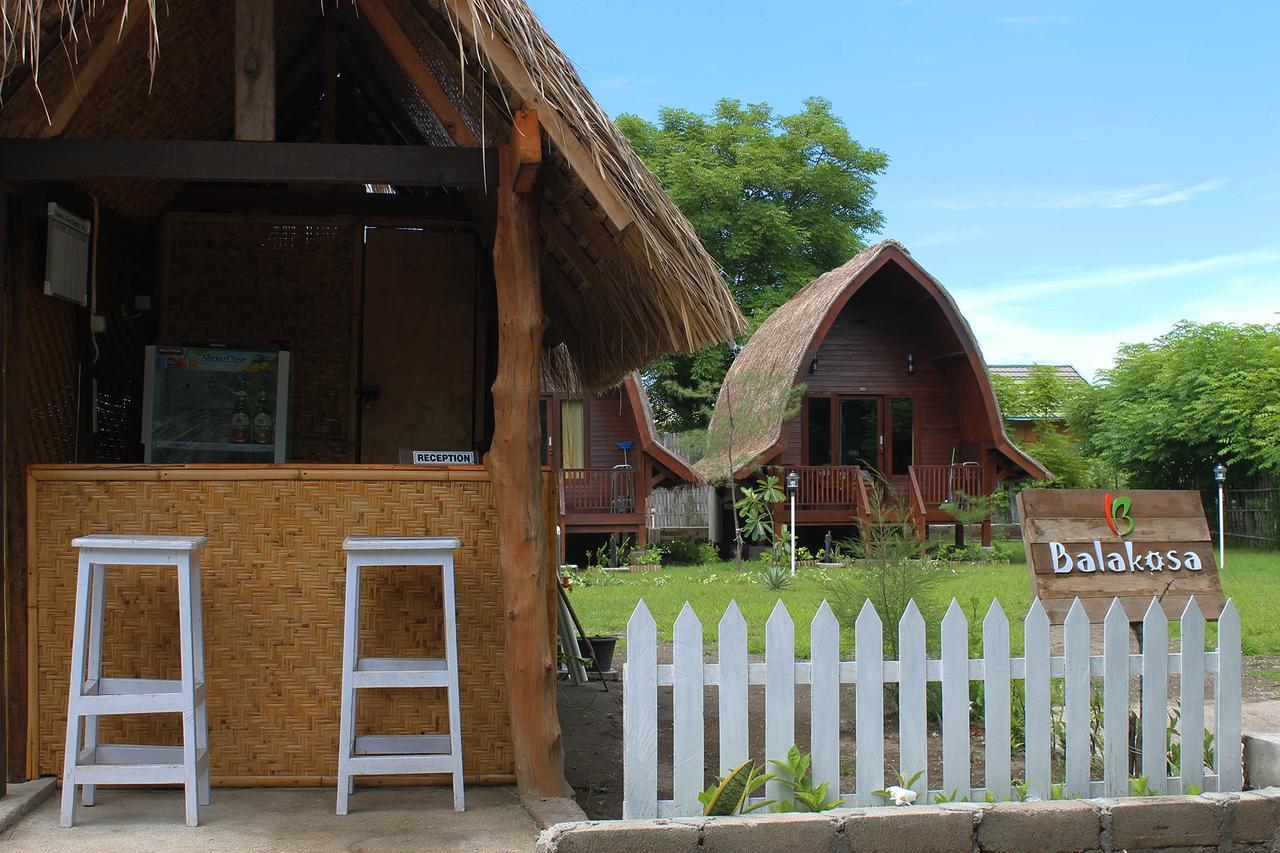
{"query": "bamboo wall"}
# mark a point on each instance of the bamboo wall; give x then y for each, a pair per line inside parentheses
(273, 598)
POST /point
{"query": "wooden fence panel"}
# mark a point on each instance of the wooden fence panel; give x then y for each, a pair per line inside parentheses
(1083, 755)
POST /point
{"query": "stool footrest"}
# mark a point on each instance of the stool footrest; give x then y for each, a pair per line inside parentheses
(393, 765)
(132, 765)
(401, 672)
(107, 696)
(402, 745)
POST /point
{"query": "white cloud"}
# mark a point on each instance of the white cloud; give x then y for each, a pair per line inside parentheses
(1021, 335)
(946, 237)
(1157, 194)
(1038, 287)
(1034, 20)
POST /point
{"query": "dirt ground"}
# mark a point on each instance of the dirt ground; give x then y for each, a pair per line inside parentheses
(591, 719)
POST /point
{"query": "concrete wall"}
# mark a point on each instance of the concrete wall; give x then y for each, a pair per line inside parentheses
(1248, 823)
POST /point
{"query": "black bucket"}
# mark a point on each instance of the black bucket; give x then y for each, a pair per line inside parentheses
(603, 655)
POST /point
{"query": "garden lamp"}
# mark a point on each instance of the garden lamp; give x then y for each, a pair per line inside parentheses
(1220, 474)
(793, 484)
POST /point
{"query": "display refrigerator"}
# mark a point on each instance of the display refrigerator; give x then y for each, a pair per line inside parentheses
(215, 404)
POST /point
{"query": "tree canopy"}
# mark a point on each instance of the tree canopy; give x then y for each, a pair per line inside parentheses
(1046, 396)
(777, 200)
(1170, 409)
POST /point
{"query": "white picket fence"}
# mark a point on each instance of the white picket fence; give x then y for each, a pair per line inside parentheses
(780, 672)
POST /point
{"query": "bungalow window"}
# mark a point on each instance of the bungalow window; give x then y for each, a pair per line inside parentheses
(819, 415)
(544, 439)
(902, 429)
(572, 435)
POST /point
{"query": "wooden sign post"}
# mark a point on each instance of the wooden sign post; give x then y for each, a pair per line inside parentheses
(1134, 545)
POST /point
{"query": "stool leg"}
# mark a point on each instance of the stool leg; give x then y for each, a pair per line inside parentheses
(451, 663)
(347, 719)
(72, 750)
(98, 584)
(202, 710)
(190, 785)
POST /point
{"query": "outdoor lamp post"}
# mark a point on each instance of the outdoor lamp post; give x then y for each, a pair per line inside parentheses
(793, 483)
(1220, 474)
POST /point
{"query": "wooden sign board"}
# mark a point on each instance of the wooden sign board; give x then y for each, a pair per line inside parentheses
(1128, 544)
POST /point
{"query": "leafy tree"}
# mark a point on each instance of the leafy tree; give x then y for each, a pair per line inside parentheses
(1047, 396)
(1170, 409)
(777, 200)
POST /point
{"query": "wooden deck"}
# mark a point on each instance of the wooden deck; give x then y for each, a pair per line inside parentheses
(844, 494)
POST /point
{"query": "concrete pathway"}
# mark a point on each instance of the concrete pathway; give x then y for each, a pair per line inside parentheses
(284, 819)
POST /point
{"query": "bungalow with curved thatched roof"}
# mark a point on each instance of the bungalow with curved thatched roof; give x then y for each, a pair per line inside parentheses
(870, 369)
(421, 203)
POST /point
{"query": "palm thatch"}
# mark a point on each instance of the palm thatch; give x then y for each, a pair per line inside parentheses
(644, 290)
(747, 425)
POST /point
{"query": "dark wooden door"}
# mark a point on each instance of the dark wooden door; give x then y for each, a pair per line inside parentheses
(419, 341)
(860, 432)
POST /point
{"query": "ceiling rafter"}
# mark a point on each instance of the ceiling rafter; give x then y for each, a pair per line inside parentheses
(410, 61)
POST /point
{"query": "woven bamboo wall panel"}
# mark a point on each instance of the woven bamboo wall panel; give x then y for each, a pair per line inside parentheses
(256, 282)
(273, 581)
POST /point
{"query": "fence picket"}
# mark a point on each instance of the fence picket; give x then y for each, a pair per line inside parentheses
(689, 676)
(1227, 700)
(1075, 712)
(1155, 695)
(824, 700)
(995, 652)
(1035, 633)
(640, 717)
(733, 688)
(689, 766)
(955, 702)
(1115, 701)
(869, 724)
(1191, 698)
(913, 731)
(779, 690)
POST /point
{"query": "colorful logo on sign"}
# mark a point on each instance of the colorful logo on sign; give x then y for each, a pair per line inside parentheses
(1116, 511)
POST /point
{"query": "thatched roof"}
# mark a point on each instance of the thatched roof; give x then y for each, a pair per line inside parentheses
(758, 388)
(626, 278)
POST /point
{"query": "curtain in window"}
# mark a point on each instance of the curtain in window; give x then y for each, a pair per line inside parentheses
(572, 435)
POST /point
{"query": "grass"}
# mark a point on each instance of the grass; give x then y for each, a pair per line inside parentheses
(1251, 578)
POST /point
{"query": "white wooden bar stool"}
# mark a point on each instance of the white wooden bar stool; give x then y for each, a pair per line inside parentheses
(92, 696)
(375, 755)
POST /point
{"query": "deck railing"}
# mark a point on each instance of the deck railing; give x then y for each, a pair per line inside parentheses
(685, 507)
(940, 484)
(597, 490)
(1058, 681)
(827, 486)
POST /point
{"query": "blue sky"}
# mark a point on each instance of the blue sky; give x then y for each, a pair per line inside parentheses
(1077, 174)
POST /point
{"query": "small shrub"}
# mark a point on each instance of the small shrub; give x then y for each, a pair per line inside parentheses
(776, 577)
(793, 773)
(651, 555)
(689, 552)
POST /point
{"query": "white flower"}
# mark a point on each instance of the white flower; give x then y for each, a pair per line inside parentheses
(901, 796)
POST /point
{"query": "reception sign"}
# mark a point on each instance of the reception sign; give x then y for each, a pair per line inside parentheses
(1128, 544)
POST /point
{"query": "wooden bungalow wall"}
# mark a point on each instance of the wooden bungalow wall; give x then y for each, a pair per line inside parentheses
(611, 422)
(867, 348)
(50, 366)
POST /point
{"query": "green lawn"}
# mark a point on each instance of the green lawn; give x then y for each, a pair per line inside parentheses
(1252, 578)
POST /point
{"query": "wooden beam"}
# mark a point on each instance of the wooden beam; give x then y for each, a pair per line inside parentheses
(406, 55)
(245, 162)
(503, 60)
(350, 205)
(88, 74)
(563, 240)
(513, 461)
(526, 138)
(255, 70)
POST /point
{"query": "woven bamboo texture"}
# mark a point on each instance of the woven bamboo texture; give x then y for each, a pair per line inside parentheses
(254, 282)
(273, 580)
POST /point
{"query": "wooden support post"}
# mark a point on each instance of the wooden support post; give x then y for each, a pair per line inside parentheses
(255, 70)
(329, 113)
(530, 661)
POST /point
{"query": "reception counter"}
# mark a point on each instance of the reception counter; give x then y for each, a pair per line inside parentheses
(273, 574)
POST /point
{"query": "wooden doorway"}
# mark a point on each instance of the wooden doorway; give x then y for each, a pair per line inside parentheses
(418, 376)
(876, 432)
